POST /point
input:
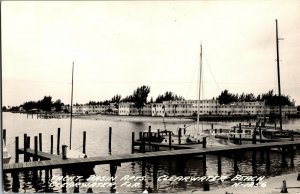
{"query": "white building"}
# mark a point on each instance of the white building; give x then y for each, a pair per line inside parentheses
(172, 108)
(128, 108)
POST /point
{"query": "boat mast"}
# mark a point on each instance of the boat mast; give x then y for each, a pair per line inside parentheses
(199, 89)
(71, 107)
(278, 74)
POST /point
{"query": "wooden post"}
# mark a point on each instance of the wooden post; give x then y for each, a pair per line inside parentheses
(25, 146)
(158, 136)
(28, 142)
(64, 152)
(35, 158)
(143, 146)
(84, 143)
(109, 140)
(58, 141)
(204, 142)
(254, 136)
(170, 141)
(40, 141)
(150, 137)
(132, 142)
(4, 135)
(17, 149)
(141, 139)
(179, 136)
(234, 140)
(51, 145)
(219, 165)
(240, 142)
(260, 134)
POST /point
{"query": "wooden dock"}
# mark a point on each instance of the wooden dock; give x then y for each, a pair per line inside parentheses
(178, 153)
(67, 163)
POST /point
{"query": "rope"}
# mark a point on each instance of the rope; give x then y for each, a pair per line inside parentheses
(211, 72)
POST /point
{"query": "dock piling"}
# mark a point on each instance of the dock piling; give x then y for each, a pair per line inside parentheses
(64, 151)
(109, 140)
(150, 137)
(132, 142)
(179, 136)
(17, 149)
(4, 135)
(51, 145)
(58, 141)
(170, 140)
(40, 141)
(35, 157)
(25, 146)
(204, 142)
(84, 143)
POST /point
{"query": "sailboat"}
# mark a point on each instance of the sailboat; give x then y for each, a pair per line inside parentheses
(6, 155)
(86, 169)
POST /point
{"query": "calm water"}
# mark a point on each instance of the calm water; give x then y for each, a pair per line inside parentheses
(97, 145)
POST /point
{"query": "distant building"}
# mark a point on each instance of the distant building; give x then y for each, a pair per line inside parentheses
(172, 108)
(128, 108)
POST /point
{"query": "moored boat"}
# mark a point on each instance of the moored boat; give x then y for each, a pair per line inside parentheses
(6, 155)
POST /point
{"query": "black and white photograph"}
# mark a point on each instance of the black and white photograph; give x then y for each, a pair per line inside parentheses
(150, 96)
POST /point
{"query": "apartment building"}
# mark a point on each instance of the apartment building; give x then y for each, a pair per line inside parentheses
(128, 108)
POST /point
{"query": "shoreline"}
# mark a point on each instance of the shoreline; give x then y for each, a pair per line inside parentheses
(134, 118)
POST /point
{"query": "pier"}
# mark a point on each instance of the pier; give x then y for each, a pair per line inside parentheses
(42, 160)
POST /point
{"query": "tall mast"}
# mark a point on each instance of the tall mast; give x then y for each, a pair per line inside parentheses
(278, 74)
(71, 107)
(199, 89)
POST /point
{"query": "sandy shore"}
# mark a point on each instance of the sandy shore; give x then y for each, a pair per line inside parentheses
(134, 118)
(273, 186)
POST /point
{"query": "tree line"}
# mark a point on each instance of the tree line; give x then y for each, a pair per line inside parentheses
(140, 97)
(46, 104)
(269, 98)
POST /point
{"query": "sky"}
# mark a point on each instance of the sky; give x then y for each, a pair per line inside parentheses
(118, 46)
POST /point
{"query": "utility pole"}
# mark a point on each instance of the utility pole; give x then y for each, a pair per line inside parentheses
(278, 74)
